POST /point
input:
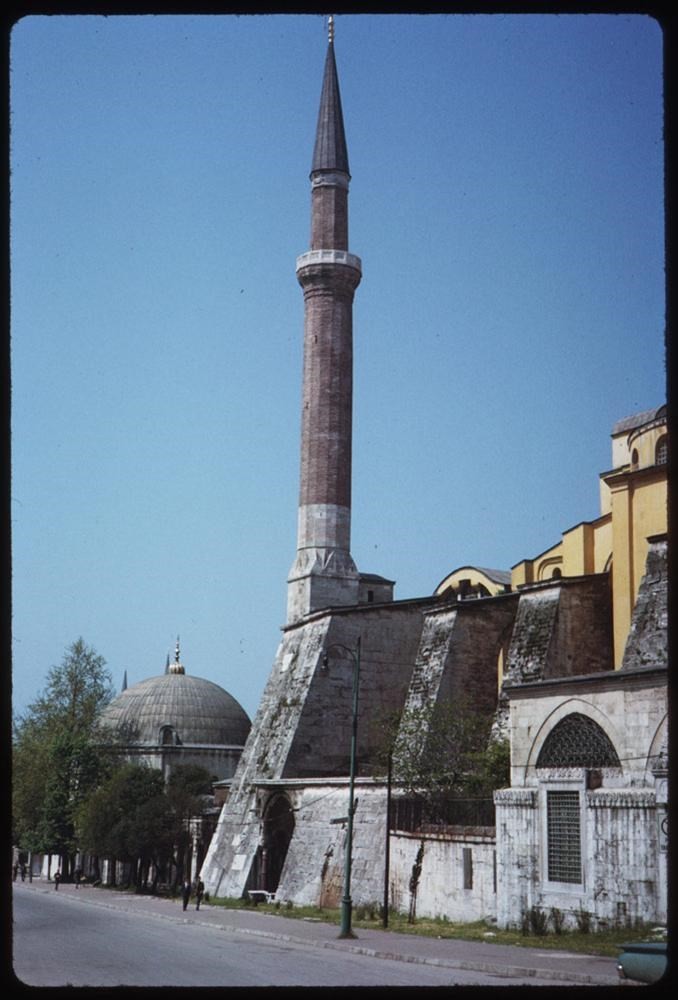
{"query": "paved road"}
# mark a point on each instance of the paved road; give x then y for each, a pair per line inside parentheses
(60, 941)
(97, 938)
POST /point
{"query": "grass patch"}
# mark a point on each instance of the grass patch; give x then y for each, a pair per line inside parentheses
(606, 942)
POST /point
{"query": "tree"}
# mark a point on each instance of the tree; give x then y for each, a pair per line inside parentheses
(445, 751)
(57, 757)
(188, 788)
(129, 818)
(135, 817)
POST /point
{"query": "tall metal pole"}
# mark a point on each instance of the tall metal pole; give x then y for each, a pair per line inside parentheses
(387, 850)
(346, 904)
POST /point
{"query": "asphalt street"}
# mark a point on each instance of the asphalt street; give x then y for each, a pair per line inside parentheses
(96, 937)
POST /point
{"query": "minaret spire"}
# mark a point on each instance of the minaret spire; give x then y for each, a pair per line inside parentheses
(324, 574)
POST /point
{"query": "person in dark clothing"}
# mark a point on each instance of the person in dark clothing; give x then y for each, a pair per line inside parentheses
(185, 893)
(199, 892)
(57, 879)
(77, 875)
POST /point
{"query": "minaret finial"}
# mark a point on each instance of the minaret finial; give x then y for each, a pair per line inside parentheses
(330, 29)
(176, 651)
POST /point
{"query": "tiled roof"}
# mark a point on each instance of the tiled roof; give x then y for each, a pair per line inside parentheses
(636, 420)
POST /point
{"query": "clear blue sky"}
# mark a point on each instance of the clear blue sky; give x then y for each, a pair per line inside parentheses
(507, 204)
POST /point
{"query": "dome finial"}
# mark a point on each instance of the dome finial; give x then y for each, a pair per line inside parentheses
(176, 667)
(330, 29)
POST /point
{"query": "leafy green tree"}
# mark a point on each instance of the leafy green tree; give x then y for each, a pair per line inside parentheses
(57, 756)
(444, 751)
(135, 817)
(188, 789)
(129, 818)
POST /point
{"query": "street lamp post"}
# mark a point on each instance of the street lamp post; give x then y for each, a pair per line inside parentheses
(387, 851)
(346, 904)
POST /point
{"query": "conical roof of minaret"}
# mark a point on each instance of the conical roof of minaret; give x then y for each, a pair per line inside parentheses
(330, 151)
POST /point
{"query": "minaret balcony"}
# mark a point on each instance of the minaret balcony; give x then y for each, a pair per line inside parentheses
(314, 257)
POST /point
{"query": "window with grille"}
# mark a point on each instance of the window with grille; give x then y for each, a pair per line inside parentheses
(661, 451)
(577, 741)
(563, 836)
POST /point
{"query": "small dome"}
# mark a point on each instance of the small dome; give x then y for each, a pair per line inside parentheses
(196, 710)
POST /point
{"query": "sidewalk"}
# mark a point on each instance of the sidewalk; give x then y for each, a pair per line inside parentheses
(500, 960)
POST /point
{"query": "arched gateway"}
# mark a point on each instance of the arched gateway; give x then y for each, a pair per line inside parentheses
(278, 827)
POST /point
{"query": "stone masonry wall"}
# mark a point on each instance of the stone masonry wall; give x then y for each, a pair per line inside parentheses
(623, 856)
(561, 629)
(458, 654)
(389, 637)
(517, 853)
(303, 725)
(234, 844)
(313, 874)
(646, 645)
(582, 640)
(474, 645)
(441, 890)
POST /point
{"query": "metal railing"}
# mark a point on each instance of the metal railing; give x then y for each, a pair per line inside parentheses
(413, 815)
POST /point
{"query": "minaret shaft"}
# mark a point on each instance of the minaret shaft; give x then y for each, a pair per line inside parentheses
(324, 574)
(329, 218)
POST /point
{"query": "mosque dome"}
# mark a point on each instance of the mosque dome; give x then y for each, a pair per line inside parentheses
(178, 709)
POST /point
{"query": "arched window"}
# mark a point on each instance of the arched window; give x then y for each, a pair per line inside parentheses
(557, 573)
(634, 458)
(577, 741)
(167, 736)
(661, 451)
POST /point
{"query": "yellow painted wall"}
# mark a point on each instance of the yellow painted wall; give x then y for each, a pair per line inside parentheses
(633, 504)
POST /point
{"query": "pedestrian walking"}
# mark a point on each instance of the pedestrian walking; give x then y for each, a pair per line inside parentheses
(77, 875)
(185, 892)
(23, 872)
(199, 892)
(57, 878)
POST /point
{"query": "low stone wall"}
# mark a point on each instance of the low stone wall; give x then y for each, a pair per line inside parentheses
(457, 876)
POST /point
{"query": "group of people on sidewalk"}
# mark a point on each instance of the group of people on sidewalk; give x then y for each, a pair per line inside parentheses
(20, 869)
(198, 889)
(187, 889)
(77, 877)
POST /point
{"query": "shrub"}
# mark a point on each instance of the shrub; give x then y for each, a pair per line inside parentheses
(534, 921)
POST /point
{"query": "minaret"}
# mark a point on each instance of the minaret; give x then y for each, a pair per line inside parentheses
(324, 574)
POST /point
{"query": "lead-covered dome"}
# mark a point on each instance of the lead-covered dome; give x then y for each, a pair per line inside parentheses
(177, 709)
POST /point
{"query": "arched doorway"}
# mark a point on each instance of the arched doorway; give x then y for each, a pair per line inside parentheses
(277, 834)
